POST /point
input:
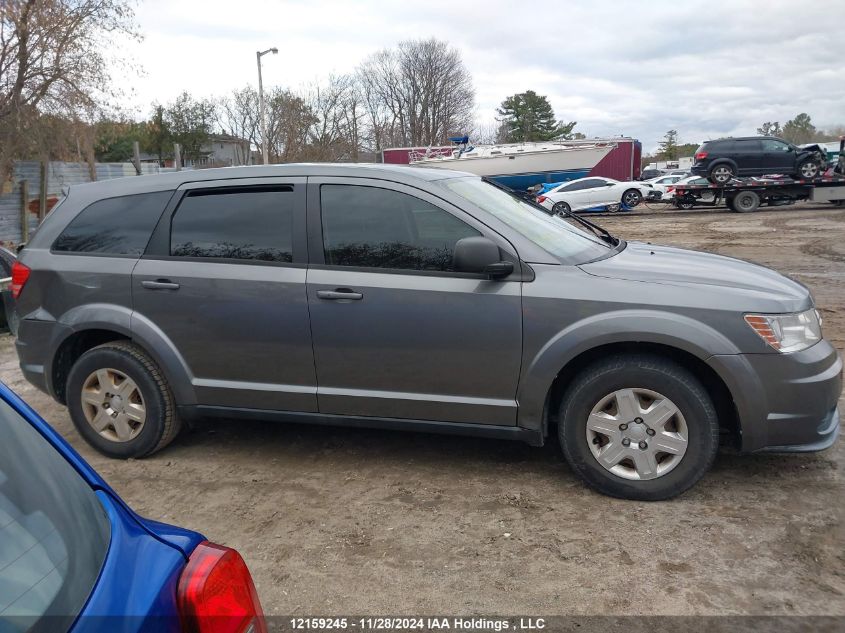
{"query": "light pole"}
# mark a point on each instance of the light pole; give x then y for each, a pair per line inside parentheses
(265, 148)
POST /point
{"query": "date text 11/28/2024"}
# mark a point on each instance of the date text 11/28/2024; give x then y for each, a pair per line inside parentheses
(472, 624)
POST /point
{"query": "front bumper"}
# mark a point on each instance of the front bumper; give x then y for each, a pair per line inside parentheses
(785, 402)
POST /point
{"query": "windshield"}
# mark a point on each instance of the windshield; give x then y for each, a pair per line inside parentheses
(54, 533)
(551, 232)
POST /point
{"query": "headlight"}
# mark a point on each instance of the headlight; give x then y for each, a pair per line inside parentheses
(787, 332)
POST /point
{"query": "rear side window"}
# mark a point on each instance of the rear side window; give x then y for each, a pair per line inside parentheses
(114, 226)
(243, 224)
(747, 146)
(54, 534)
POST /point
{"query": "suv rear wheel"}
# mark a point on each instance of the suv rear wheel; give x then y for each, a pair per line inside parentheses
(119, 401)
(721, 174)
(638, 427)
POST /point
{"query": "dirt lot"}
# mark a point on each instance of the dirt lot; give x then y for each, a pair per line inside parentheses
(373, 522)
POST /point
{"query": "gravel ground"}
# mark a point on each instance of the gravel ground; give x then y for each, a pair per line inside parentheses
(356, 521)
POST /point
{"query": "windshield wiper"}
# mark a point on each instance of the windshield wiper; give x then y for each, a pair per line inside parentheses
(600, 232)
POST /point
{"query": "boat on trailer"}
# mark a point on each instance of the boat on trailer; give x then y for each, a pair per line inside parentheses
(518, 165)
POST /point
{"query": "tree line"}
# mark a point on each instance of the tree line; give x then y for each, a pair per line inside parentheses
(57, 96)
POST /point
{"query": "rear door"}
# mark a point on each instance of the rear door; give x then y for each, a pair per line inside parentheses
(223, 279)
(748, 155)
(397, 333)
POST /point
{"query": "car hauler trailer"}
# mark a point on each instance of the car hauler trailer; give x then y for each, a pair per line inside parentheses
(747, 194)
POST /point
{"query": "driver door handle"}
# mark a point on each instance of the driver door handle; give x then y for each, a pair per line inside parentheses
(160, 284)
(340, 294)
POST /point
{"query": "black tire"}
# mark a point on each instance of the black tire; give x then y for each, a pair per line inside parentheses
(686, 206)
(721, 174)
(161, 425)
(644, 371)
(561, 208)
(631, 198)
(808, 169)
(746, 202)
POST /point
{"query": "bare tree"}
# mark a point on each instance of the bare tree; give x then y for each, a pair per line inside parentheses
(238, 116)
(419, 93)
(53, 63)
(335, 129)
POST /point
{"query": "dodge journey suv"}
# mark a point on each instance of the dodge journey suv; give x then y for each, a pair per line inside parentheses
(726, 158)
(406, 298)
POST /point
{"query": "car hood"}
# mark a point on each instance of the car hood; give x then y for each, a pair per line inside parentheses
(678, 266)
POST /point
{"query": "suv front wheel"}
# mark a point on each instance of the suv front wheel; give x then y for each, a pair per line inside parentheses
(119, 401)
(808, 169)
(638, 427)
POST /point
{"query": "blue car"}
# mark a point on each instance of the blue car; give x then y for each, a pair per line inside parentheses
(75, 558)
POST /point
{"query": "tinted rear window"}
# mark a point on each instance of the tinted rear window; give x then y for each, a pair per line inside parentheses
(54, 533)
(114, 226)
(250, 224)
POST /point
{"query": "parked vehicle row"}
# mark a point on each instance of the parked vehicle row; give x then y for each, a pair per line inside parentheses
(414, 299)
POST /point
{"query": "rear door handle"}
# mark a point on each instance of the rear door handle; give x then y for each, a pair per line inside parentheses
(340, 294)
(160, 284)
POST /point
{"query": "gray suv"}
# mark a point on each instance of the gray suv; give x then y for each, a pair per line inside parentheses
(406, 298)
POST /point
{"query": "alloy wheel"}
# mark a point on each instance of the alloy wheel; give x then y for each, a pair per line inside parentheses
(722, 174)
(809, 170)
(637, 434)
(113, 405)
(631, 198)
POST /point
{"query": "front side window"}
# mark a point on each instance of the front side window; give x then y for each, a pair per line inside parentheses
(771, 145)
(114, 226)
(241, 224)
(54, 534)
(370, 227)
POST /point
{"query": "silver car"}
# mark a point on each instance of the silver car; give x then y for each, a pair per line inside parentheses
(414, 299)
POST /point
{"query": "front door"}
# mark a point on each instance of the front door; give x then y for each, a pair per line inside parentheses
(778, 157)
(396, 332)
(223, 280)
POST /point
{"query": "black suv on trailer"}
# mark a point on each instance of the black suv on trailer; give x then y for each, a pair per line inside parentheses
(726, 158)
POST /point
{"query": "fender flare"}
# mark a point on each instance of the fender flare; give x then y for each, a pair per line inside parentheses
(122, 320)
(622, 326)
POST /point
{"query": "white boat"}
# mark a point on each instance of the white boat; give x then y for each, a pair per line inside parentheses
(520, 165)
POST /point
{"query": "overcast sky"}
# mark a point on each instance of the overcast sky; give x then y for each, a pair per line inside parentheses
(706, 68)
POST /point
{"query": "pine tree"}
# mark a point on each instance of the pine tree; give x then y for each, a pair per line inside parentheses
(527, 116)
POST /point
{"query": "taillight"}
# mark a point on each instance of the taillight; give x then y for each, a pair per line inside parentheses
(700, 155)
(541, 199)
(670, 188)
(20, 273)
(216, 593)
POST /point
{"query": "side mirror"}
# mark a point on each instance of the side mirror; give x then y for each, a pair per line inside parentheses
(480, 255)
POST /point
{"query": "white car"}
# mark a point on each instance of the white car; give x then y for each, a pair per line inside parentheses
(708, 197)
(663, 184)
(585, 193)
